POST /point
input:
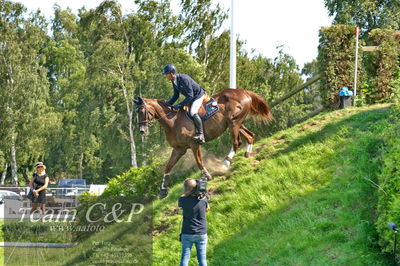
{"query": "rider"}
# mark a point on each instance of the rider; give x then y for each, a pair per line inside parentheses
(194, 94)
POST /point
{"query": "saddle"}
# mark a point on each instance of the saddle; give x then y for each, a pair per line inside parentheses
(207, 109)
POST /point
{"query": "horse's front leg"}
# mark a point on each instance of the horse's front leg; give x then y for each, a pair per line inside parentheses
(199, 160)
(175, 156)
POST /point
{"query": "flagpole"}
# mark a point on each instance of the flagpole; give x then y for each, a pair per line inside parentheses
(232, 77)
(357, 31)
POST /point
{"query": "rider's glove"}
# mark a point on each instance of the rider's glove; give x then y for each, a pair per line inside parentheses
(176, 107)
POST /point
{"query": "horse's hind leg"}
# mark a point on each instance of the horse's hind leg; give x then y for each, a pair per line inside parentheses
(199, 160)
(175, 156)
(249, 137)
(235, 136)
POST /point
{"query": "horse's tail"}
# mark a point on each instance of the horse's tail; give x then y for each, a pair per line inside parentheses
(259, 107)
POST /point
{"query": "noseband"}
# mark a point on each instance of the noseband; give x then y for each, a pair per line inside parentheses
(146, 115)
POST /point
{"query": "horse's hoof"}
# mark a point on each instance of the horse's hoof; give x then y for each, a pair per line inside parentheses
(248, 154)
(163, 193)
(224, 167)
(226, 164)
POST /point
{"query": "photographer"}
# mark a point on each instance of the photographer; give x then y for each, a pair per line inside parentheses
(194, 226)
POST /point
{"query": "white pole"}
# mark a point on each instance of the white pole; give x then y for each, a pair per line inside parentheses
(356, 64)
(232, 79)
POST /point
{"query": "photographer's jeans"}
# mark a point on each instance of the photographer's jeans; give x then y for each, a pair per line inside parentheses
(201, 246)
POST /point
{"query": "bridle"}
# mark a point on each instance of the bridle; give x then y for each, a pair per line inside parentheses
(148, 116)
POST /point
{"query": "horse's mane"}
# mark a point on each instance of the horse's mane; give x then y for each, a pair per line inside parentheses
(164, 106)
(161, 102)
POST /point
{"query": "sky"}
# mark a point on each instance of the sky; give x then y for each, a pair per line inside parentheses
(263, 24)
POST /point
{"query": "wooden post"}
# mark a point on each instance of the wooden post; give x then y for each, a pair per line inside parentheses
(293, 92)
(312, 114)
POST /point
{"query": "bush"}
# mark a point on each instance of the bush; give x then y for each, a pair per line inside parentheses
(138, 185)
(143, 181)
(389, 182)
(385, 65)
(336, 58)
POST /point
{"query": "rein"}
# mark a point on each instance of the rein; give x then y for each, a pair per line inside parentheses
(147, 115)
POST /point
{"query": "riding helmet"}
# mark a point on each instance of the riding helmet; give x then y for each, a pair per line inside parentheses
(170, 68)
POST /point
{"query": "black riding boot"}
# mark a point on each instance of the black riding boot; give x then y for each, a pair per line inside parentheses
(199, 137)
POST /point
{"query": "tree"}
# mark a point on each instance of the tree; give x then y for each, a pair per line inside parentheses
(73, 152)
(118, 49)
(201, 20)
(25, 117)
(368, 14)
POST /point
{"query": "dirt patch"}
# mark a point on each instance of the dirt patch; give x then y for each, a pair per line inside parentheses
(172, 212)
(272, 143)
(309, 125)
(160, 229)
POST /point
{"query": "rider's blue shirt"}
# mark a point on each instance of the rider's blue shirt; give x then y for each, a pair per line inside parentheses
(188, 87)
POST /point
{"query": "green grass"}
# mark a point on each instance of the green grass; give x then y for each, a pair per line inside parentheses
(119, 244)
(307, 197)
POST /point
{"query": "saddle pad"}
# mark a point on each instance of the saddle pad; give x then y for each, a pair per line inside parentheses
(211, 108)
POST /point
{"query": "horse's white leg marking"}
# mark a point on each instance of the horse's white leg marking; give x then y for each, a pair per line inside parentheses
(163, 181)
(249, 147)
(228, 159)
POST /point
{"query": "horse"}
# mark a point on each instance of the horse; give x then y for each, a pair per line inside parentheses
(235, 106)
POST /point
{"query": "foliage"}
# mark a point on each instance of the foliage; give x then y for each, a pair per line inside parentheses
(388, 181)
(385, 65)
(26, 117)
(137, 185)
(91, 65)
(143, 181)
(201, 20)
(336, 59)
(369, 14)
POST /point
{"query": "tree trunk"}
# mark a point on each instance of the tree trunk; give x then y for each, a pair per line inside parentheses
(131, 139)
(81, 167)
(144, 162)
(3, 176)
(14, 175)
(130, 116)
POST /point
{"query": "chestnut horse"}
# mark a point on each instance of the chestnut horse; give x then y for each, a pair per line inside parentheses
(235, 105)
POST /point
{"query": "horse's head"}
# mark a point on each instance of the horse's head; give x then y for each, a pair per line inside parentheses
(145, 114)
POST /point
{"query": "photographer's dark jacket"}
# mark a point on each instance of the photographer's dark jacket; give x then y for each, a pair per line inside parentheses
(188, 87)
(194, 215)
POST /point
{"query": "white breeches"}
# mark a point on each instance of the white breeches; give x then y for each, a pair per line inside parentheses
(196, 105)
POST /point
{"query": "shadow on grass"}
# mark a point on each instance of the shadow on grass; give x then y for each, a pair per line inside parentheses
(334, 225)
(357, 122)
(321, 228)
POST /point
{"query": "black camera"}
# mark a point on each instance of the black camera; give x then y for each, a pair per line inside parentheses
(201, 188)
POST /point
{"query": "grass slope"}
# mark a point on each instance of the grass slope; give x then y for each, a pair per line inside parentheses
(307, 197)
